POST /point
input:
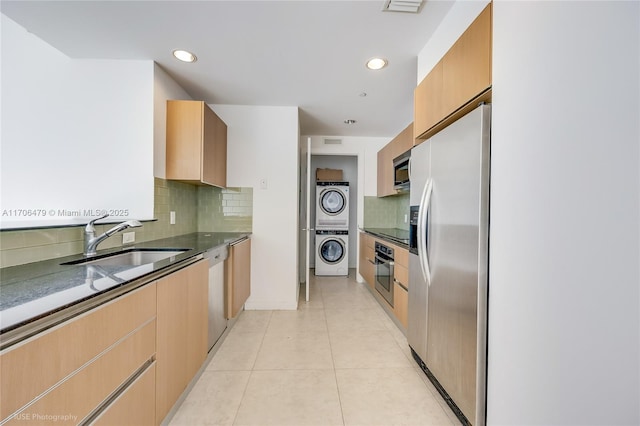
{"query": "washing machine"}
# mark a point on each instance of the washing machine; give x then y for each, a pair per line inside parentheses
(332, 253)
(332, 205)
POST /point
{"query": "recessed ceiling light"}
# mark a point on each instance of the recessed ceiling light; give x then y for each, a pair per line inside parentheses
(376, 63)
(184, 56)
(349, 121)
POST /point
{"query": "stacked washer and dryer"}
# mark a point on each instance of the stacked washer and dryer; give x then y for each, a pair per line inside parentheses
(332, 228)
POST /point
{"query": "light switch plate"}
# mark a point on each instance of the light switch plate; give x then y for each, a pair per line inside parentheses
(172, 218)
(128, 237)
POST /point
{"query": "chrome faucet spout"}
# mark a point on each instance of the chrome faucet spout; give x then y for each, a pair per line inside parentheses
(91, 241)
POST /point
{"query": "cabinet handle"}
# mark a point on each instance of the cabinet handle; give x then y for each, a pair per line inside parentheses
(400, 284)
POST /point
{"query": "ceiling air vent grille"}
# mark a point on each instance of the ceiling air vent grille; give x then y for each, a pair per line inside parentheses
(333, 141)
(409, 6)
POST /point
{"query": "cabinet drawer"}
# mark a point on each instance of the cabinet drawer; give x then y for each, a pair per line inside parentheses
(401, 274)
(401, 304)
(32, 367)
(84, 390)
(136, 406)
(401, 257)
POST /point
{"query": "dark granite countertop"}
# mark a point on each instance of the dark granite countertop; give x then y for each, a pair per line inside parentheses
(393, 235)
(32, 291)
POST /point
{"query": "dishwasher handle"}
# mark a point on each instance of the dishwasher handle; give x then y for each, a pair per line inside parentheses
(216, 255)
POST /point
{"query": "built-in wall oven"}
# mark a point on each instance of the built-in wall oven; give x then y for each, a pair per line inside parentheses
(384, 271)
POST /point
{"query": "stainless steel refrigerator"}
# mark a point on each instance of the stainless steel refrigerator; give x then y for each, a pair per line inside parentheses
(448, 264)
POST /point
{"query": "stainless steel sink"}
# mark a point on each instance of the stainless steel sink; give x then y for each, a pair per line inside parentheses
(133, 257)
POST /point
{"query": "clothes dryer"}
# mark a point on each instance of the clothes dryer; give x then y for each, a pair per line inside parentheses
(332, 205)
(332, 253)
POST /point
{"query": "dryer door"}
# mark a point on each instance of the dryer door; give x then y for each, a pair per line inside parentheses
(332, 201)
(331, 251)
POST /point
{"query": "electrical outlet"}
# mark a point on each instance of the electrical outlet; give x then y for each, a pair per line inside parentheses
(172, 218)
(128, 237)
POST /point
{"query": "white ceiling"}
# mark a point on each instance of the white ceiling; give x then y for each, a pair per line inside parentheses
(309, 54)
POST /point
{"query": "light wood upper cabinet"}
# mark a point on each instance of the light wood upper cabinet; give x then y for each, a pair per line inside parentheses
(398, 145)
(428, 102)
(238, 279)
(458, 82)
(385, 171)
(196, 144)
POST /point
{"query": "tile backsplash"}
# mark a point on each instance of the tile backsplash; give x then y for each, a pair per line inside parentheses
(197, 208)
(386, 212)
(225, 209)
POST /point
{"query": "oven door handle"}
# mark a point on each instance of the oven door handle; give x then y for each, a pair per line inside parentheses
(387, 261)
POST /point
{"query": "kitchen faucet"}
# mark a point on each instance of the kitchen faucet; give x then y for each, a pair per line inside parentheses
(91, 241)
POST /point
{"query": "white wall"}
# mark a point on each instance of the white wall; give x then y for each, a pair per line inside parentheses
(263, 144)
(77, 135)
(164, 88)
(564, 280)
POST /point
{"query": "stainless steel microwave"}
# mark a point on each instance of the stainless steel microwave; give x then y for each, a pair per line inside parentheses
(401, 165)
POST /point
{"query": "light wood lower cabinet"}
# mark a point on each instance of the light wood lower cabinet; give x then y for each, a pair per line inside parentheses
(182, 342)
(401, 284)
(366, 261)
(401, 304)
(197, 316)
(238, 280)
(136, 406)
(71, 369)
(400, 273)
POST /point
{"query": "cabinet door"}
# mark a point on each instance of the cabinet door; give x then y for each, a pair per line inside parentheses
(214, 149)
(196, 144)
(171, 355)
(367, 259)
(428, 102)
(184, 140)
(458, 82)
(400, 304)
(467, 65)
(403, 142)
(238, 277)
(385, 172)
(197, 316)
(181, 332)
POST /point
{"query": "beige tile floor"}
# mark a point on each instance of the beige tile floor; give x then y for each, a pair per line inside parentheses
(337, 360)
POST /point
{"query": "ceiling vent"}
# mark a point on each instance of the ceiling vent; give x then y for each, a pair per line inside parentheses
(333, 141)
(409, 6)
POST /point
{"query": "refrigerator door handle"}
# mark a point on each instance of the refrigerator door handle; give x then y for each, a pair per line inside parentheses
(425, 204)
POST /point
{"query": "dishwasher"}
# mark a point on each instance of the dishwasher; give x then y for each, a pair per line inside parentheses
(217, 320)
